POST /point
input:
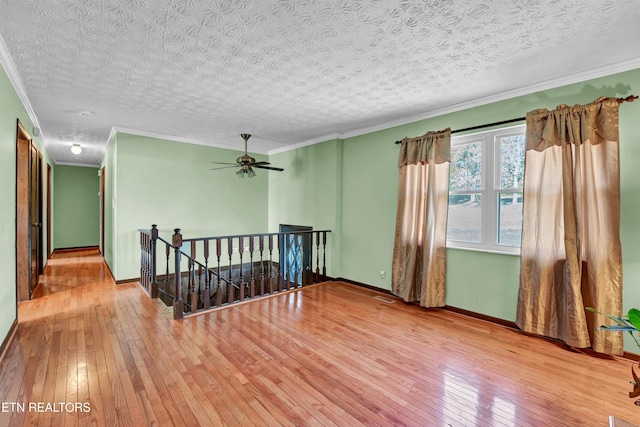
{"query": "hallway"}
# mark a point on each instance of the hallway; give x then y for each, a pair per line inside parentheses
(71, 347)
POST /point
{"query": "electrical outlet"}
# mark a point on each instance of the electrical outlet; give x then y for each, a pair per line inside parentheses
(382, 274)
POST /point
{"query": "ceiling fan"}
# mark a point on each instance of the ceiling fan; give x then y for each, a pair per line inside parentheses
(246, 163)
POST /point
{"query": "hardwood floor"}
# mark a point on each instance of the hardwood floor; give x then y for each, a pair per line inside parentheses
(329, 354)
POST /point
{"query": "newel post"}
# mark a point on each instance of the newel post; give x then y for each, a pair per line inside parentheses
(178, 304)
(154, 281)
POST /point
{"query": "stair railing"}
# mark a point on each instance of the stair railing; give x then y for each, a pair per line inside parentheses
(211, 272)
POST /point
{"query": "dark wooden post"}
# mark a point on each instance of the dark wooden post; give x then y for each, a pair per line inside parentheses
(218, 278)
(194, 282)
(154, 263)
(241, 284)
(207, 276)
(307, 255)
(178, 303)
(281, 257)
(143, 260)
(270, 263)
(167, 253)
(252, 288)
(230, 293)
(317, 233)
(324, 255)
(143, 249)
(261, 244)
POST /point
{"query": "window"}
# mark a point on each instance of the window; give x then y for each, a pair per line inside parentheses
(485, 190)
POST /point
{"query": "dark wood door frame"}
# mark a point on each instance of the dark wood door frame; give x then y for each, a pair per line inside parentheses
(29, 236)
(23, 223)
(48, 210)
(36, 216)
(102, 185)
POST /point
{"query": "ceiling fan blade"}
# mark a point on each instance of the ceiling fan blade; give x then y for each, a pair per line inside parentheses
(246, 162)
(224, 163)
(225, 167)
(268, 167)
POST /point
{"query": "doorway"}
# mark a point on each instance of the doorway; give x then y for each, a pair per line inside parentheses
(102, 185)
(29, 238)
(48, 204)
(295, 256)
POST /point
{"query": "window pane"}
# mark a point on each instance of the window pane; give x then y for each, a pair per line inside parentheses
(511, 161)
(464, 220)
(466, 167)
(509, 219)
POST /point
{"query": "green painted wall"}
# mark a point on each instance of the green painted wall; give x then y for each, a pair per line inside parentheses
(369, 199)
(170, 184)
(11, 109)
(109, 165)
(481, 282)
(308, 192)
(495, 293)
(76, 207)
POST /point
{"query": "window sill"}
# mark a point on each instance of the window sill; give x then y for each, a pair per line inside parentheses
(488, 251)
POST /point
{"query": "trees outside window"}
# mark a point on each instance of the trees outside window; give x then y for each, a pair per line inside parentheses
(485, 190)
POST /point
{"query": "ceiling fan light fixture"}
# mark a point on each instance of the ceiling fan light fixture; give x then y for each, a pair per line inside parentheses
(246, 172)
(76, 149)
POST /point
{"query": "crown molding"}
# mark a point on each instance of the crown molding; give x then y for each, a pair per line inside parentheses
(13, 76)
(312, 141)
(112, 135)
(555, 83)
(84, 165)
(150, 134)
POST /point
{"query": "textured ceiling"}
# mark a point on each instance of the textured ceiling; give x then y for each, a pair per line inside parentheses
(291, 71)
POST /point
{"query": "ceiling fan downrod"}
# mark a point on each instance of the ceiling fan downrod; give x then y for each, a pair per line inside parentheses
(246, 137)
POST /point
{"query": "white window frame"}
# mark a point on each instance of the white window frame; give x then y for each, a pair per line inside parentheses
(490, 189)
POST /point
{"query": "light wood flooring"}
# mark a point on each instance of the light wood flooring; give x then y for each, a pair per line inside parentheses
(329, 354)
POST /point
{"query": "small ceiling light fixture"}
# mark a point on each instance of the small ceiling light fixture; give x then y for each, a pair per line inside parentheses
(76, 149)
(246, 171)
(85, 113)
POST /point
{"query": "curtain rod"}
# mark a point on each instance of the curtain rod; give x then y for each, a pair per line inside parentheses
(503, 122)
(629, 98)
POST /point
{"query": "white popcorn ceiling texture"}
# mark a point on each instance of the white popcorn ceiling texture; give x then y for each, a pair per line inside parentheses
(289, 71)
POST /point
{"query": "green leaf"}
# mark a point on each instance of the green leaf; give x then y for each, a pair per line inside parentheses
(634, 317)
(618, 328)
(619, 320)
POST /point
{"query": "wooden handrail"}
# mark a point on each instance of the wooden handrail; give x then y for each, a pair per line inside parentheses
(234, 236)
(285, 265)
